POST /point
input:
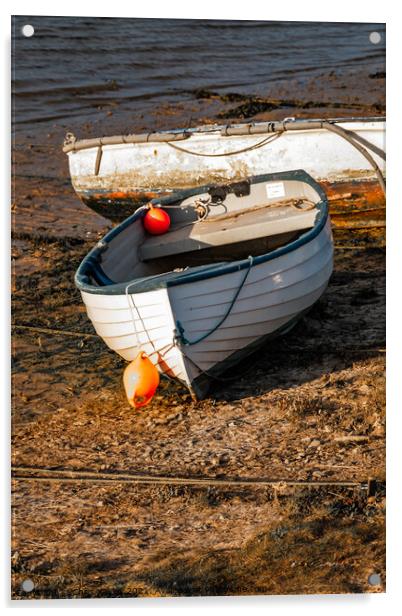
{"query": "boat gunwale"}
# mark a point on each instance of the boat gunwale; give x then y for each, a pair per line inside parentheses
(153, 283)
(177, 134)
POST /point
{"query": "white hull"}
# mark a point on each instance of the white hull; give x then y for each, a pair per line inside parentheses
(275, 294)
(125, 169)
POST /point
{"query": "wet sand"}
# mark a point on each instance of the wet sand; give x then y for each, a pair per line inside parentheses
(89, 518)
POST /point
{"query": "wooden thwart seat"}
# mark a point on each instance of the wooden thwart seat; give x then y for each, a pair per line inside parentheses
(231, 229)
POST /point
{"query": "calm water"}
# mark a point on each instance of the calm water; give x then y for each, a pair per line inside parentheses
(72, 65)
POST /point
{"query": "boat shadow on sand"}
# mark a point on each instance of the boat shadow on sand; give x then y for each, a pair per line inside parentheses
(344, 327)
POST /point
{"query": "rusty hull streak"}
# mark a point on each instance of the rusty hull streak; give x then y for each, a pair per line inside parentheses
(368, 192)
(355, 205)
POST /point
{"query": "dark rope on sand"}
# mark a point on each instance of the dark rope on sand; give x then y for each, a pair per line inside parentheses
(49, 330)
(64, 475)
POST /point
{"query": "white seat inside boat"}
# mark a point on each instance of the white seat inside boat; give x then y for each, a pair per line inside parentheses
(241, 226)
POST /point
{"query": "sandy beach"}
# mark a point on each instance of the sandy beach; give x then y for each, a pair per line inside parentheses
(90, 516)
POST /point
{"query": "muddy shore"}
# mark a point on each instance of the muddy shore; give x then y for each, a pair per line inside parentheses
(89, 519)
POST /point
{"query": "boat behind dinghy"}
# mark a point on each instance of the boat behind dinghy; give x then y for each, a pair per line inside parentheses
(115, 175)
(240, 264)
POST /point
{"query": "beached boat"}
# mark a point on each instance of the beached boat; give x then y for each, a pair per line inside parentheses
(240, 264)
(115, 175)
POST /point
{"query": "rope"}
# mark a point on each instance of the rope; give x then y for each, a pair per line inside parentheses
(367, 144)
(197, 204)
(338, 130)
(48, 330)
(260, 144)
(299, 204)
(132, 305)
(303, 204)
(46, 474)
(158, 352)
(180, 329)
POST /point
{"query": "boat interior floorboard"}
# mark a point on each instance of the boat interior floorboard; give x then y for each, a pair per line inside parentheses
(225, 253)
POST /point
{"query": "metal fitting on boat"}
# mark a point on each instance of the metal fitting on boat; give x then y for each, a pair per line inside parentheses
(69, 139)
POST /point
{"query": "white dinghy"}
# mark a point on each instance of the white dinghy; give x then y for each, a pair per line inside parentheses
(240, 264)
(115, 175)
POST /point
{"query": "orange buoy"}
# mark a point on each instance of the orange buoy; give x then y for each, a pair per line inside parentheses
(156, 221)
(141, 380)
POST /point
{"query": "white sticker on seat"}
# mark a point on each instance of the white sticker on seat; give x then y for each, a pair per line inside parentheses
(275, 189)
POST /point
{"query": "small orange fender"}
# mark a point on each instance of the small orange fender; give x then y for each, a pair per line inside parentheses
(141, 380)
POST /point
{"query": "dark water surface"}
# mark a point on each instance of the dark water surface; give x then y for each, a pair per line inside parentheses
(73, 65)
